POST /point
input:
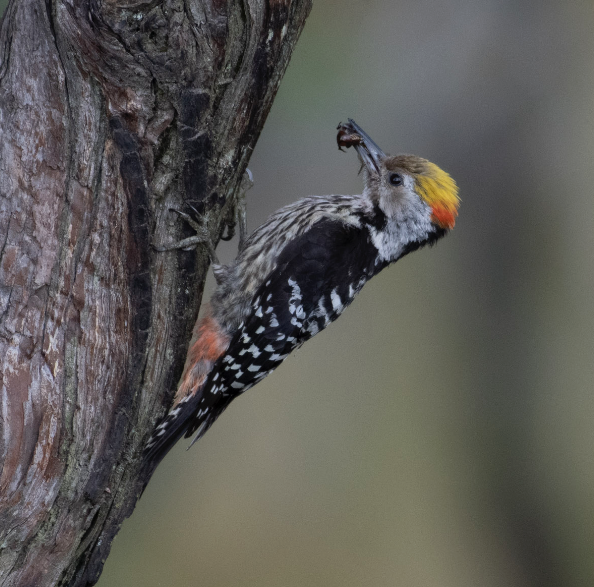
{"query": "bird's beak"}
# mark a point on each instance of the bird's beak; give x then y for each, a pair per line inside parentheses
(369, 153)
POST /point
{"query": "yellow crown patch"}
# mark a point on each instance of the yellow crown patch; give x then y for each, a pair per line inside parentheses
(440, 192)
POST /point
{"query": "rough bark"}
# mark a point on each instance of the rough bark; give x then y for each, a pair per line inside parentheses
(111, 113)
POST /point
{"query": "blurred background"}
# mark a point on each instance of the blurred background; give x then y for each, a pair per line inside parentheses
(441, 433)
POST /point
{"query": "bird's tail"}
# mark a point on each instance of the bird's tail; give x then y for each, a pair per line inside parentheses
(171, 429)
(189, 420)
(184, 417)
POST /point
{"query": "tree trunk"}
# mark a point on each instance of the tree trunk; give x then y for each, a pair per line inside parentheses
(111, 113)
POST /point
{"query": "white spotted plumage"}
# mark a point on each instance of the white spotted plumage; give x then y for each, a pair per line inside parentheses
(297, 273)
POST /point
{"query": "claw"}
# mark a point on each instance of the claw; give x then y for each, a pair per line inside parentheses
(230, 228)
(202, 237)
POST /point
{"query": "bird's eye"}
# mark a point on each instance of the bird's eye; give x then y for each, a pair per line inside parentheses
(396, 179)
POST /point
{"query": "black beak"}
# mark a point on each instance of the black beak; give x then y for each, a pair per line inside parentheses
(369, 153)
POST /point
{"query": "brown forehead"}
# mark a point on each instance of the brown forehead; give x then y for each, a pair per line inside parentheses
(409, 163)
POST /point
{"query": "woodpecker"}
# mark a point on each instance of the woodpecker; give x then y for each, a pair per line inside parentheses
(298, 272)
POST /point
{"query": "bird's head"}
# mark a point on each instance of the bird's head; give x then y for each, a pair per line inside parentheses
(418, 198)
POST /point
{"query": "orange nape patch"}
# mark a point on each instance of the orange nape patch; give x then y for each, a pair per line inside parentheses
(211, 343)
(443, 216)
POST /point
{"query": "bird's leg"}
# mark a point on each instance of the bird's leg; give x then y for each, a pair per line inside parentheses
(238, 213)
(241, 210)
(202, 236)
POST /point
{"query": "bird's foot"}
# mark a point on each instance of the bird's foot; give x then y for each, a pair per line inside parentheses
(237, 216)
(202, 237)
